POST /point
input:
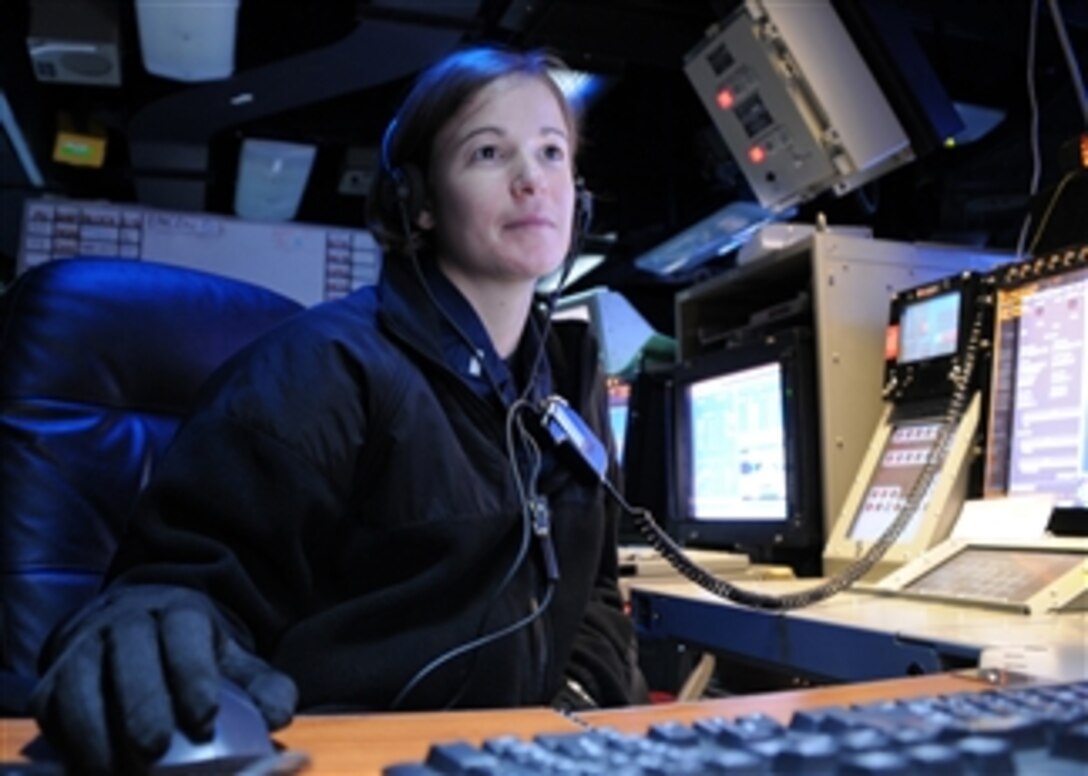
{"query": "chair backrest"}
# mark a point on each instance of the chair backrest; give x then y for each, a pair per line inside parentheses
(99, 360)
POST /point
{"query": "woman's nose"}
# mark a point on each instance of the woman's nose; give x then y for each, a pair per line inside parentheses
(528, 178)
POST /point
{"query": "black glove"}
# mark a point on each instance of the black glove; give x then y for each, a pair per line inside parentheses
(138, 663)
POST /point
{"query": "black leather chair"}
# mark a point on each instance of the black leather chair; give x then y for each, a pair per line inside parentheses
(99, 360)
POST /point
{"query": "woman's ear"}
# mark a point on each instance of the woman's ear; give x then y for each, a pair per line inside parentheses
(425, 219)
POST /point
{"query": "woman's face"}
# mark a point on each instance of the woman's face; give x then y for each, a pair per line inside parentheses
(502, 187)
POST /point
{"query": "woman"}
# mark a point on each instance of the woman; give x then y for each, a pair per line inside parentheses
(358, 510)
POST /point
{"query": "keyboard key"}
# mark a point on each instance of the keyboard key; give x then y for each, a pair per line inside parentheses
(935, 759)
(576, 746)
(462, 759)
(807, 754)
(828, 720)
(1072, 743)
(674, 734)
(735, 761)
(986, 755)
(864, 740)
(742, 731)
(914, 736)
(410, 769)
(873, 763)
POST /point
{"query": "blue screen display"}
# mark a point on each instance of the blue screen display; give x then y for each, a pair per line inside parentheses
(738, 446)
(929, 328)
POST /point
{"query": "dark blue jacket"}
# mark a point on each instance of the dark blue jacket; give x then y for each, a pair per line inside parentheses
(348, 502)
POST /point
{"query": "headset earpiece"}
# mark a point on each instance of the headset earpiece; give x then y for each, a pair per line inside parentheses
(407, 194)
(402, 193)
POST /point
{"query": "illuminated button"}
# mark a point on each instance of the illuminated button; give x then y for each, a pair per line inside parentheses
(756, 154)
(726, 99)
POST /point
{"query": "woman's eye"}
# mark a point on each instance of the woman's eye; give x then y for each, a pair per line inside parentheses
(555, 153)
(485, 153)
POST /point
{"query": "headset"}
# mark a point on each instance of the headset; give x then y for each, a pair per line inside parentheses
(402, 189)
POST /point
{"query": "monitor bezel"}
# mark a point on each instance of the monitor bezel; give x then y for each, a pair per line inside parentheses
(929, 377)
(760, 537)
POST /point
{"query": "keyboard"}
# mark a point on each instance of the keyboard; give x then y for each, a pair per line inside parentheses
(1038, 730)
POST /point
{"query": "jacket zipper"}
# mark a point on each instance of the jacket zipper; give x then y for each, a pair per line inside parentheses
(538, 645)
(540, 513)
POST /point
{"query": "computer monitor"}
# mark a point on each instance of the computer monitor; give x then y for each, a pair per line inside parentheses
(1038, 422)
(747, 470)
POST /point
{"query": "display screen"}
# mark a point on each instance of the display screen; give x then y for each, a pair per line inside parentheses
(929, 328)
(738, 445)
(1038, 431)
(908, 448)
(619, 394)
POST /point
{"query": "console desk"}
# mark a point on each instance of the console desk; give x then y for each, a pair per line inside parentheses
(857, 636)
(364, 744)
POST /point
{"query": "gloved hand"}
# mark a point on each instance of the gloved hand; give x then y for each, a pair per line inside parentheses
(138, 663)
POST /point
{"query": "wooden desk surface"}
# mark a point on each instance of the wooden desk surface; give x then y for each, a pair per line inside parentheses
(364, 744)
(782, 704)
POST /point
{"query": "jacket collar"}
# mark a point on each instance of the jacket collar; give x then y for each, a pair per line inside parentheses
(405, 308)
(409, 311)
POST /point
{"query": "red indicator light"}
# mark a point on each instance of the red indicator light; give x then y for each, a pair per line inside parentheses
(891, 343)
(725, 99)
(756, 154)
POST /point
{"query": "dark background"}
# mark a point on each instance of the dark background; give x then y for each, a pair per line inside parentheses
(650, 154)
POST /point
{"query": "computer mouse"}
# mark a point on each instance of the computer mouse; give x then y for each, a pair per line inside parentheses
(240, 736)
